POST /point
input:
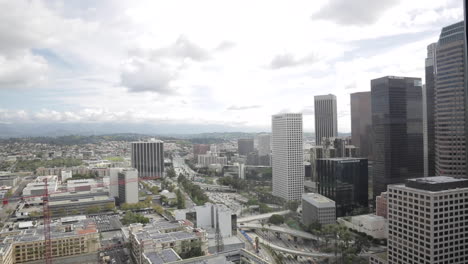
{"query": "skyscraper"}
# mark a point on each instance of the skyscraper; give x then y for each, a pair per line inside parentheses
(263, 144)
(148, 158)
(361, 122)
(426, 221)
(264, 149)
(428, 100)
(326, 124)
(397, 129)
(449, 115)
(288, 156)
(245, 146)
(345, 181)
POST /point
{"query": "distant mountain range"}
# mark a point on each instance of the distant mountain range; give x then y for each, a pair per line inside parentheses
(182, 131)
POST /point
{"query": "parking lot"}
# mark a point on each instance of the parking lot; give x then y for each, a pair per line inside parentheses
(106, 223)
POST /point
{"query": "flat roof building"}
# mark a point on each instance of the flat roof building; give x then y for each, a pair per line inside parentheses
(427, 221)
(317, 208)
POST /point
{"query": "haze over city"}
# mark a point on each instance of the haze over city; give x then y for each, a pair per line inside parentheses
(201, 66)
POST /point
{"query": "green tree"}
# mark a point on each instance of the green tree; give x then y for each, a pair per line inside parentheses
(130, 218)
(180, 200)
(154, 190)
(158, 209)
(276, 219)
(93, 209)
(171, 172)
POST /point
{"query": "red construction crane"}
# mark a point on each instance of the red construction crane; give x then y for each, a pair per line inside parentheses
(46, 215)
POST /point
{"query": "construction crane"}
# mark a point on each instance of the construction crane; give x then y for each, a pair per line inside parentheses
(45, 197)
(46, 215)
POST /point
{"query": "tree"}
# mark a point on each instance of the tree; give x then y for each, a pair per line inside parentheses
(292, 205)
(180, 200)
(171, 172)
(263, 208)
(154, 190)
(314, 227)
(158, 209)
(130, 218)
(92, 210)
(164, 200)
(276, 219)
(109, 207)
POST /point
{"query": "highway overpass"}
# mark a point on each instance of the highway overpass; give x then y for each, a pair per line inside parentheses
(260, 216)
(279, 229)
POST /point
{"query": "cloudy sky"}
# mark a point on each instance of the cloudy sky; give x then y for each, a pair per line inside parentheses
(229, 63)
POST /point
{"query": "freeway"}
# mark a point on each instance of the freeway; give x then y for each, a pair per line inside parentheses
(295, 252)
(260, 216)
(289, 231)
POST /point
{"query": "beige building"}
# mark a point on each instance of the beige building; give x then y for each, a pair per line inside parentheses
(158, 236)
(68, 240)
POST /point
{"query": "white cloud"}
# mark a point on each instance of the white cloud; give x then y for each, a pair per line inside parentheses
(356, 12)
(153, 60)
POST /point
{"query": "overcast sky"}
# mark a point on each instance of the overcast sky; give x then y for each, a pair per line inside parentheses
(232, 63)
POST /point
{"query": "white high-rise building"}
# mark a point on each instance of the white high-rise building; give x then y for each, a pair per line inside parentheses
(128, 186)
(288, 156)
(427, 221)
(123, 184)
(263, 144)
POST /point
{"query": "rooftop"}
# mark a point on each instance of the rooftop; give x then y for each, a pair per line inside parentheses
(166, 255)
(317, 199)
(437, 183)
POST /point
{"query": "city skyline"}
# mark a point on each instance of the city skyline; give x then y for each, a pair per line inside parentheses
(118, 63)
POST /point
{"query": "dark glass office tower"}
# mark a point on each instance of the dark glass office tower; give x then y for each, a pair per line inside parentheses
(345, 181)
(397, 129)
(245, 146)
(326, 120)
(148, 158)
(450, 150)
(361, 123)
(429, 131)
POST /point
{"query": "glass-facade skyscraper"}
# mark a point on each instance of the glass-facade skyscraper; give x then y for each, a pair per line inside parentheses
(449, 115)
(397, 131)
(345, 181)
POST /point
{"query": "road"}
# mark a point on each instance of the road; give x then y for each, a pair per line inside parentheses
(260, 216)
(295, 252)
(283, 230)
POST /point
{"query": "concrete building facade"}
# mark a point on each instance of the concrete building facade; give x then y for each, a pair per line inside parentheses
(427, 221)
(128, 186)
(317, 208)
(288, 156)
(148, 158)
(326, 118)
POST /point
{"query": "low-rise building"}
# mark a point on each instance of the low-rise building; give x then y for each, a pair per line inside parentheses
(38, 186)
(161, 235)
(81, 185)
(381, 202)
(317, 208)
(80, 238)
(370, 224)
(208, 159)
(9, 179)
(210, 216)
